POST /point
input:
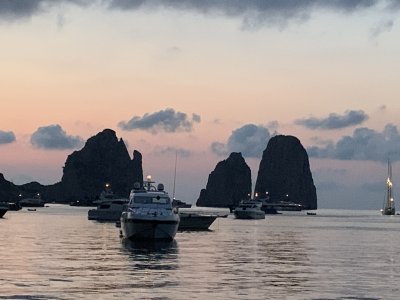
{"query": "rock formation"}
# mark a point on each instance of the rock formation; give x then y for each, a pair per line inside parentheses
(229, 183)
(103, 159)
(285, 173)
(9, 192)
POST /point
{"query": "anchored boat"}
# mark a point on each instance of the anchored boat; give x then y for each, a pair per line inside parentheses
(249, 209)
(3, 208)
(149, 214)
(388, 205)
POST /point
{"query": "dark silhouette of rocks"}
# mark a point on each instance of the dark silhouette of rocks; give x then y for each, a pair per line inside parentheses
(228, 184)
(9, 192)
(285, 173)
(103, 159)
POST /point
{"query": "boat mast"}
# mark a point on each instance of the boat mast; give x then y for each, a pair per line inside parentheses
(173, 190)
(389, 184)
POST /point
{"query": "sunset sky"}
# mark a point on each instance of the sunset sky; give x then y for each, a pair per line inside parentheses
(204, 78)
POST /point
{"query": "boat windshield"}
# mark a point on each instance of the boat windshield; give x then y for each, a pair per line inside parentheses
(151, 200)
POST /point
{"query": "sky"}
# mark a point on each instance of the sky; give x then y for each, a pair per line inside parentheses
(203, 79)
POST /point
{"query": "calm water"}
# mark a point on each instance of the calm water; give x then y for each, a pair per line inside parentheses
(56, 253)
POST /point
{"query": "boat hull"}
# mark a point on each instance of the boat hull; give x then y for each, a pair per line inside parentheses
(105, 216)
(3, 212)
(195, 222)
(251, 215)
(390, 211)
(135, 227)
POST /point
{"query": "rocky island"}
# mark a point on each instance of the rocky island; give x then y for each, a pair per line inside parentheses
(103, 159)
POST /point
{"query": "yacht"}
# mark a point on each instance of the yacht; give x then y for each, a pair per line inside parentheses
(3, 208)
(109, 207)
(32, 202)
(388, 205)
(198, 219)
(149, 214)
(249, 209)
(108, 210)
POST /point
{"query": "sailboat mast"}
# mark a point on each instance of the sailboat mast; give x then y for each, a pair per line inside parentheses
(389, 200)
(176, 159)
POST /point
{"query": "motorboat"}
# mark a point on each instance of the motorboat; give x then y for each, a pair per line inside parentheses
(32, 202)
(388, 204)
(109, 206)
(195, 219)
(109, 210)
(14, 206)
(149, 214)
(249, 209)
(180, 204)
(3, 208)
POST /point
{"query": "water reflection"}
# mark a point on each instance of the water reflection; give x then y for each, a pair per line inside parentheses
(150, 246)
(151, 255)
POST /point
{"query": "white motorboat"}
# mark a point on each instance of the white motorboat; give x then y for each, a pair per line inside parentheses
(3, 208)
(149, 214)
(195, 219)
(249, 209)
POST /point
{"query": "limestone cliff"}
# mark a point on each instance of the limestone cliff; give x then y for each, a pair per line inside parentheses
(229, 183)
(285, 173)
(103, 159)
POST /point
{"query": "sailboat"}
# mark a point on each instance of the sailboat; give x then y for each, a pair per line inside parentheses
(388, 204)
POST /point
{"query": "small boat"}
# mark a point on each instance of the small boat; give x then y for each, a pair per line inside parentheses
(14, 206)
(388, 204)
(3, 208)
(311, 213)
(149, 214)
(109, 206)
(32, 202)
(180, 204)
(193, 219)
(109, 210)
(31, 209)
(249, 209)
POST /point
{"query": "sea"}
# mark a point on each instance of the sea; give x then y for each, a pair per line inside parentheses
(55, 252)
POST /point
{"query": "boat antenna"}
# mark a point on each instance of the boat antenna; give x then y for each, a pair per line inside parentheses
(173, 190)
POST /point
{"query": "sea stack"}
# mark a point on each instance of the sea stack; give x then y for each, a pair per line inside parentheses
(228, 184)
(285, 173)
(103, 159)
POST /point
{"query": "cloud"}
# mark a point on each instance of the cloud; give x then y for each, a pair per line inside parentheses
(377, 186)
(53, 137)
(364, 144)
(328, 185)
(17, 9)
(6, 137)
(167, 120)
(334, 121)
(254, 13)
(251, 140)
(172, 151)
(383, 26)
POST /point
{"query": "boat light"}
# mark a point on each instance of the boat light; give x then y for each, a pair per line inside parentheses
(148, 178)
